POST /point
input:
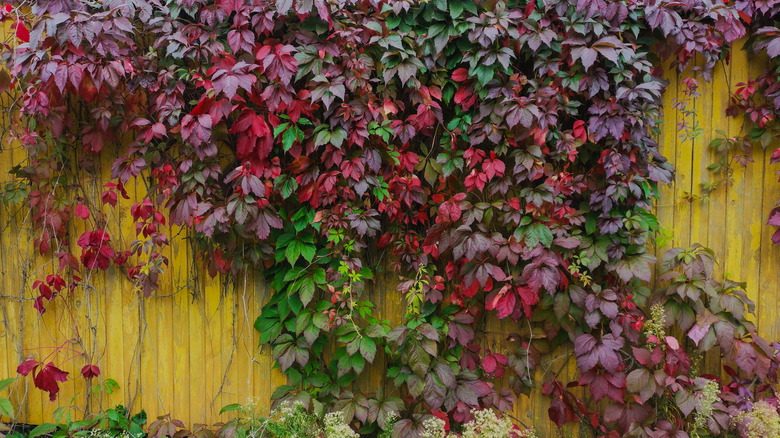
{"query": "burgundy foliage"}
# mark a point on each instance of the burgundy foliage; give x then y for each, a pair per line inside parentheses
(500, 156)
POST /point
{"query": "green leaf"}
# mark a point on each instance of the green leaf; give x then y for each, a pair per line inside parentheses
(484, 74)
(308, 252)
(337, 137)
(353, 347)
(448, 92)
(6, 383)
(110, 385)
(357, 363)
(280, 128)
(289, 138)
(284, 240)
(716, 142)
(321, 138)
(590, 224)
(79, 425)
(650, 219)
(292, 274)
(319, 276)
(303, 218)
(6, 409)
(293, 251)
(346, 380)
(306, 291)
(318, 380)
(368, 349)
(766, 139)
(456, 8)
(138, 419)
(393, 21)
(230, 408)
(43, 429)
(419, 360)
(538, 233)
(320, 320)
(281, 391)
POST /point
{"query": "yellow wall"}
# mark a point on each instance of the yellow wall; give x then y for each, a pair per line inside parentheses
(191, 348)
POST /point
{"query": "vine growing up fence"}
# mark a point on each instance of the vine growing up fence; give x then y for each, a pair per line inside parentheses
(501, 156)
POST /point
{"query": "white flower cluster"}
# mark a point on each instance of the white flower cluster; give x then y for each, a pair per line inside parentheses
(434, 428)
(487, 425)
(335, 427)
(655, 325)
(527, 433)
(710, 394)
(294, 420)
(762, 421)
(99, 433)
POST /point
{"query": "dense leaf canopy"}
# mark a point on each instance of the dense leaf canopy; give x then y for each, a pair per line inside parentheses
(499, 156)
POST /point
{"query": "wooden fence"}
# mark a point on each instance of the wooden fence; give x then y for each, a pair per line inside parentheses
(191, 349)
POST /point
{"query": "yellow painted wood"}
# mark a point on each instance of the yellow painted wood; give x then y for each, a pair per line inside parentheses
(716, 219)
(191, 348)
(179, 332)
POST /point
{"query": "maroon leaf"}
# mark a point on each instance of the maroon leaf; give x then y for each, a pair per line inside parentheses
(81, 211)
(560, 413)
(25, 367)
(90, 371)
(47, 379)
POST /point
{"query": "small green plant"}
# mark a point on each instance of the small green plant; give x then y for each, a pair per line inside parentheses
(708, 397)
(335, 427)
(113, 423)
(6, 408)
(108, 386)
(117, 422)
(288, 420)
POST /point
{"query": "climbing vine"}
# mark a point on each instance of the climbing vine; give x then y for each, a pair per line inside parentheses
(498, 156)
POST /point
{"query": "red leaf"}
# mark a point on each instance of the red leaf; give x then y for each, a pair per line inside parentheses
(460, 75)
(68, 260)
(503, 301)
(47, 379)
(559, 412)
(81, 211)
(528, 297)
(489, 364)
(39, 305)
(27, 366)
(580, 131)
(472, 289)
(443, 417)
(203, 106)
(90, 371)
(21, 32)
(493, 168)
(45, 291)
(774, 217)
(109, 197)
